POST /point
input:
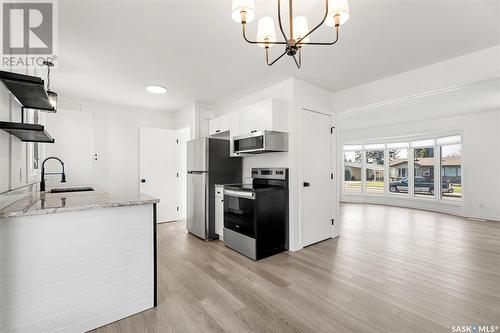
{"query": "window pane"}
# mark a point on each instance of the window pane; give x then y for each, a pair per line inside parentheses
(451, 172)
(424, 172)
(352, 172)
(398, 171)
(375, 172)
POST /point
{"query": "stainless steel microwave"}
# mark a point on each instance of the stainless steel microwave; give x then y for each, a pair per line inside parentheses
(261, 142)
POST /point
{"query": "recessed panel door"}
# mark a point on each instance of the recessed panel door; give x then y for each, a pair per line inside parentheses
(316, 167)
(158, 169)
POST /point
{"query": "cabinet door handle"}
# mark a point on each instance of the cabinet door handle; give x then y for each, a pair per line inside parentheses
(306, 184)
(143, 180)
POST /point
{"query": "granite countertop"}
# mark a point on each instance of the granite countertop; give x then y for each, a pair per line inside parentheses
(38, 203)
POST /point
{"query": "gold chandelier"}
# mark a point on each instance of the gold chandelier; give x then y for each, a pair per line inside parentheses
(336, 14)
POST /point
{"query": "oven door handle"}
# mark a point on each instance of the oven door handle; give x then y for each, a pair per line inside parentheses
(240, 194)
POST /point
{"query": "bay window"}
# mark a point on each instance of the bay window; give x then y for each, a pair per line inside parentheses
(406, 169)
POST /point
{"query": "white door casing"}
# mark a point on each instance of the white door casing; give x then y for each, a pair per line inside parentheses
(158, 169)
(316, 183)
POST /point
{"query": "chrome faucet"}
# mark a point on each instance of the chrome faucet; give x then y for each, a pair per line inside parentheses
(63, 175)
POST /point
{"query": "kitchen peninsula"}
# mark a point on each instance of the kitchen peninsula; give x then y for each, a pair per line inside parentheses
(76, 261)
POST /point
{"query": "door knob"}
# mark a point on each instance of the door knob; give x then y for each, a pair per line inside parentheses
(143, 180)
(306, 184)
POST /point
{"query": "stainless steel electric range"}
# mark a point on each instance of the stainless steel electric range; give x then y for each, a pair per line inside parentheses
(256, 215)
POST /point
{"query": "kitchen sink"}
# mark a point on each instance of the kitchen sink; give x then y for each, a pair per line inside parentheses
(72, 189)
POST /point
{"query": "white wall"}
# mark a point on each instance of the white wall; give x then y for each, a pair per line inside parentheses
(15, 170)
(116, 130)
(460, 95)
(74, 144)
(4, 142)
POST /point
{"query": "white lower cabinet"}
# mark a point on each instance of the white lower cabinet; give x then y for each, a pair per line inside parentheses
(219, 211)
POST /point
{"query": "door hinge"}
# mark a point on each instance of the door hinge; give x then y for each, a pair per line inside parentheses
(177, 175)
(331, 176)
(177, 141)
(177, 208)
(331, 129)
(333, 221)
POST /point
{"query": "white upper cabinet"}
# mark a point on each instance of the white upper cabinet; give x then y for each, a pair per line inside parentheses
(249, 119)
(235, 123)
(272, 115)
(213, 126)
(220, 124)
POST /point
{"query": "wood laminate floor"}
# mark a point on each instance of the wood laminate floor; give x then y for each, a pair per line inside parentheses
(392, 270)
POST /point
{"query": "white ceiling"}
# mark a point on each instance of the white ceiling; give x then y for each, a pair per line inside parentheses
(110, 50)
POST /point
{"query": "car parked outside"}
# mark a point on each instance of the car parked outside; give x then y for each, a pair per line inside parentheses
(422, 185)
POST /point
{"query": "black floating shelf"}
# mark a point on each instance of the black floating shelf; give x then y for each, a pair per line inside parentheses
(27, 132)
(28, 90)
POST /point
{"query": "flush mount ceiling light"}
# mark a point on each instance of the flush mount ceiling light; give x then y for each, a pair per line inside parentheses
(336, 14)
(156, 89)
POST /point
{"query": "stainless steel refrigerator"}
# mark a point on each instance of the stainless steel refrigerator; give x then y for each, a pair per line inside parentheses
(208, 163)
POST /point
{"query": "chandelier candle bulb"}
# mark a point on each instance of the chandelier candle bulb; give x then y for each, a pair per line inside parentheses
(266, 33)
(243, 11)
(340, 8)
(300, 28)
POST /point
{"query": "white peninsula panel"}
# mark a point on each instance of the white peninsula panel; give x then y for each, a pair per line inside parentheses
(73, 271)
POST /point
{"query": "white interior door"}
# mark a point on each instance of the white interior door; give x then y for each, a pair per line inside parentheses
(316, 168)
(158, 169)
(183, 136)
